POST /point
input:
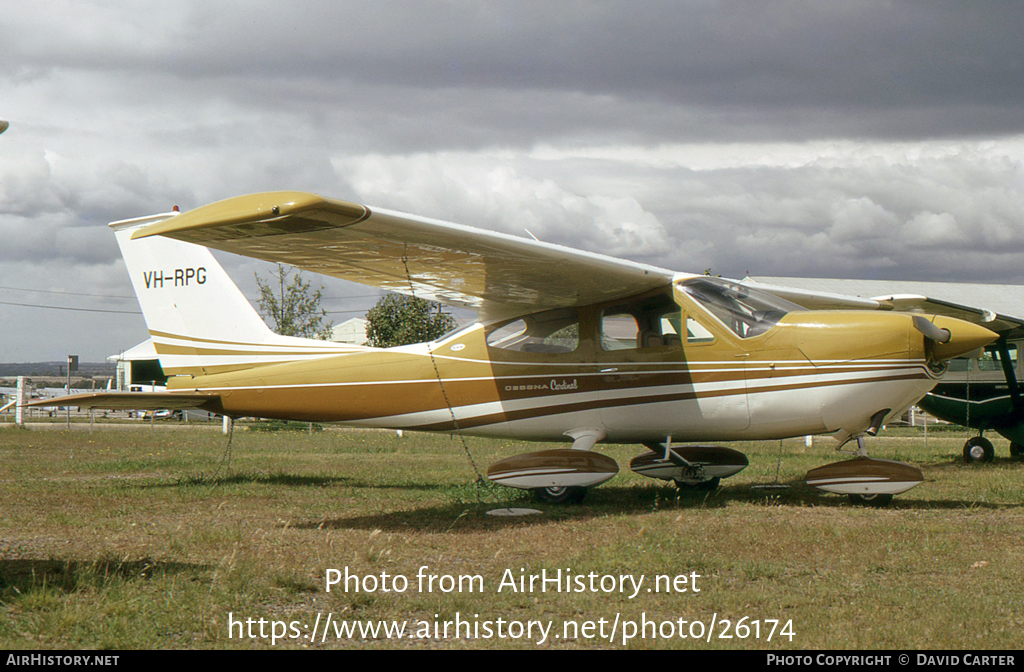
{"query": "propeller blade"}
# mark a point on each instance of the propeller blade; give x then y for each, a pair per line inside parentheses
(931, 331)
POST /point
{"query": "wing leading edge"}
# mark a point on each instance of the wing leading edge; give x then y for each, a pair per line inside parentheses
(496, 274)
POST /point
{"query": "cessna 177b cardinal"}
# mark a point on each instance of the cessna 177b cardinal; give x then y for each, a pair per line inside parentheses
(570, 346)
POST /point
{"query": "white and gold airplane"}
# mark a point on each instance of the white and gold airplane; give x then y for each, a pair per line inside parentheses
(570, 346)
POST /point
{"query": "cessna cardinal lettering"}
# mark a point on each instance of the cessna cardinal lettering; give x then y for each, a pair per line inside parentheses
(570, 346)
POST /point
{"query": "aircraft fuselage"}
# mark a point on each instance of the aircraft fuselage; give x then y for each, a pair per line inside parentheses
(655, 365)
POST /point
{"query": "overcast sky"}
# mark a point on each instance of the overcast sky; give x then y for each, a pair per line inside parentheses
(829, 139)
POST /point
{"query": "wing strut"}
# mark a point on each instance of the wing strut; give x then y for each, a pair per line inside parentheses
(437, 372)
(1011, 377)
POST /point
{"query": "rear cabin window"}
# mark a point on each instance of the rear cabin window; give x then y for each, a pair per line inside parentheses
(551, 332)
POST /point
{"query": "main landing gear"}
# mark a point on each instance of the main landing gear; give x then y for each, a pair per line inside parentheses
(563, 476)
(705, 485)
(878, 500)
(979, 450)
(690, 467)
(559, 476)
(570, 494)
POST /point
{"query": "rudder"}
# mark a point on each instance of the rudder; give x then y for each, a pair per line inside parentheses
(199, 320)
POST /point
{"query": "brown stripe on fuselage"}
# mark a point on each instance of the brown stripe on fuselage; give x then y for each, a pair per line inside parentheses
(544, 411)
(344, 402)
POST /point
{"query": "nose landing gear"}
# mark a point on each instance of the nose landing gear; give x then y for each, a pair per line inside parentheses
(866, 481)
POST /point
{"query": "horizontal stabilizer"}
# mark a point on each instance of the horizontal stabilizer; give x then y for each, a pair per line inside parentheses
(134, 401)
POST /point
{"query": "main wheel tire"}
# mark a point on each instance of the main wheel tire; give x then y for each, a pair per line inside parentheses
(871, 500)
(571, 494)
(710, 484)
(978, 450)
(1016, 450)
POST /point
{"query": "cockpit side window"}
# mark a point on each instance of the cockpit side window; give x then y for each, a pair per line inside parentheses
(551, 332)
(697, 333)
(746, 311)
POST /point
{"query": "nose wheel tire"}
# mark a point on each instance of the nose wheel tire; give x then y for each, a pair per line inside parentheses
(978, 450)
(871, 500)
(1016, 450)
(560, 494)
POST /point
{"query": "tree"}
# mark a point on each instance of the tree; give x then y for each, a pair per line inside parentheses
(293, 305)
(399, 320)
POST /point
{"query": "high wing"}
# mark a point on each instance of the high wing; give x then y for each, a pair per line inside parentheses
(132, 401)
(812, 300)
(1004, 325)
(928, 302)
(496, 274)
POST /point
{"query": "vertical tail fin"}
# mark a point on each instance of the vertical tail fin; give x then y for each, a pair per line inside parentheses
(199, 320)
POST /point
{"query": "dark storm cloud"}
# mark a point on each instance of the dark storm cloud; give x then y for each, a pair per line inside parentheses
(853, 139)
(721, 70)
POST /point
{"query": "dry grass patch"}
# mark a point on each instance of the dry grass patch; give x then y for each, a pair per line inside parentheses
(145, 539)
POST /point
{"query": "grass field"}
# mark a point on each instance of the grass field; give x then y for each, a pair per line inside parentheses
(137, 538)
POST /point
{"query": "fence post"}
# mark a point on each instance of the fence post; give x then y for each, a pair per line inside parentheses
(19, 407)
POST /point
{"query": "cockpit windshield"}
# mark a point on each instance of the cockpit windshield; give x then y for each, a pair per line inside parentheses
(746, 311)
